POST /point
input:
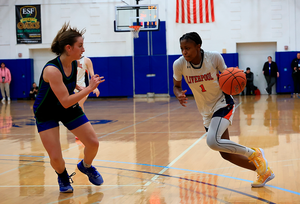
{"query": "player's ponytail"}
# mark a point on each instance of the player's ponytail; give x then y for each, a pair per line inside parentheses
(192, 36)
(65, 36)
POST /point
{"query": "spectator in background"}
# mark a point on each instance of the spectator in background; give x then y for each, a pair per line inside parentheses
(34, 91)
(270, 70)
(295, 65)
(5, 81)
(249, 85)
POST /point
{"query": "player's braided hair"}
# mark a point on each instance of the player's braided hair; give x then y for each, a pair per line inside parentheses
(192, 36)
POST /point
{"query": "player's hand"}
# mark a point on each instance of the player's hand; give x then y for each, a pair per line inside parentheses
(97, 92)
(95, 81)
(80, 88)
(182, 98)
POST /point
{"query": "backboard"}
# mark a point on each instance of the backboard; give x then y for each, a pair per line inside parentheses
(145, 16)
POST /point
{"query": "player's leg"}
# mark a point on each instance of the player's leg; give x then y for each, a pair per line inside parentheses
(88, 137)
(50, 140)
(218, 139)
(82, 128)
(237, 159)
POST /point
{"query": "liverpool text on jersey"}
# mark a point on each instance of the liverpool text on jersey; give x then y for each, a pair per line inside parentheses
(195, 79)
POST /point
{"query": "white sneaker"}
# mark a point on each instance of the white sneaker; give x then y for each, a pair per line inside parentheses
(3, 99)
(8, 98)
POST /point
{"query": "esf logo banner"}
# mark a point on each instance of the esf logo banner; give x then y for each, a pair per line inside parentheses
(27, 10)
(28, 14)
(28, 18)
(28, 24)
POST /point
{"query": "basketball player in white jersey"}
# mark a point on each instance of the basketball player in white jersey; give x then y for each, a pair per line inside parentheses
(84, 64)
(201, 70)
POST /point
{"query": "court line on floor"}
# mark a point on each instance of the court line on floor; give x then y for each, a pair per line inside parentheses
(192, 180)
(75, 146)
(174, 161)
(165, 175)
(150, 165)
(127, 127)
(158, 166)
(171, 163)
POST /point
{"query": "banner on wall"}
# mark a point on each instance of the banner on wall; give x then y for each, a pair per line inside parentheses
(195, 11)
(28, 24)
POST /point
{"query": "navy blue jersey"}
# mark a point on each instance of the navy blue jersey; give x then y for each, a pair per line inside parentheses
(47, 105)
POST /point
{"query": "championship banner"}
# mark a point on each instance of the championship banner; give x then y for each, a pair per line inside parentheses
(28, 24)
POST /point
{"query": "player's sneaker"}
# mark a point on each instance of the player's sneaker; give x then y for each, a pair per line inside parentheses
(94, 176)
(263, 179)
(259, 160)
(76, 138)
(64, 184)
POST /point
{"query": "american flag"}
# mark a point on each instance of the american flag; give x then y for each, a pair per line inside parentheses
(195, 11)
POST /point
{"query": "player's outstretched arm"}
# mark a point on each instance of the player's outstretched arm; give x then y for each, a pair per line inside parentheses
(179, 93)
(53, 76)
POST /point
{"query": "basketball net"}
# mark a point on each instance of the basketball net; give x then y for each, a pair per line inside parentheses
(135, 31)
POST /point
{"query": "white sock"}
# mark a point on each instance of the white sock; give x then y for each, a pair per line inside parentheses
(86, 165)
(248, 152)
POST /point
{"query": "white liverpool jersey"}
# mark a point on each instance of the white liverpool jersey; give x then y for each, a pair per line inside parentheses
(204, 83)
(81, 69)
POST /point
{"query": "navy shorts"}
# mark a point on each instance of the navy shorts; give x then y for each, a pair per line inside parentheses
(225, 112)
(72, 118)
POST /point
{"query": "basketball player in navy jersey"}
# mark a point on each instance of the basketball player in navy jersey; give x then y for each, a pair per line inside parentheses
(56, 102)
(200, 70)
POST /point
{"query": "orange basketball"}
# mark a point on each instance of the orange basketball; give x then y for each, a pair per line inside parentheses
(232, 81)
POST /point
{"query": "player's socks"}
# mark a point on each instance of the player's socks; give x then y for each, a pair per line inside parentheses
(248, 152)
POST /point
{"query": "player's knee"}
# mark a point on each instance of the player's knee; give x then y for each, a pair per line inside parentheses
(212, 143)
(93, 143)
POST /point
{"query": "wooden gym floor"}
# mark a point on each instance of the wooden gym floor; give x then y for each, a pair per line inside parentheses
(154, 151)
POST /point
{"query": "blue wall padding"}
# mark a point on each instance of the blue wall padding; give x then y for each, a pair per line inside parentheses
(141, 69)
(118, 75)
(141, 44)
(159, 40)
(156, 65)
(151, 60)
(22, 77)
(285, 81)
(231, 59)
(159, 67)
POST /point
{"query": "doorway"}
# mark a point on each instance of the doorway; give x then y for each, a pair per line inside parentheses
(254, 55)
(40, 58)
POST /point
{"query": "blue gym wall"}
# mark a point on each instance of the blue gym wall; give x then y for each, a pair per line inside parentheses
(150, 57)
(21, 77)
(285, 81)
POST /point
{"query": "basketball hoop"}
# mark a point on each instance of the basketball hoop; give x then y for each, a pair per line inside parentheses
(135, 30)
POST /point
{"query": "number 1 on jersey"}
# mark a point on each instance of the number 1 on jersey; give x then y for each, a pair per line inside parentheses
(202, 88)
